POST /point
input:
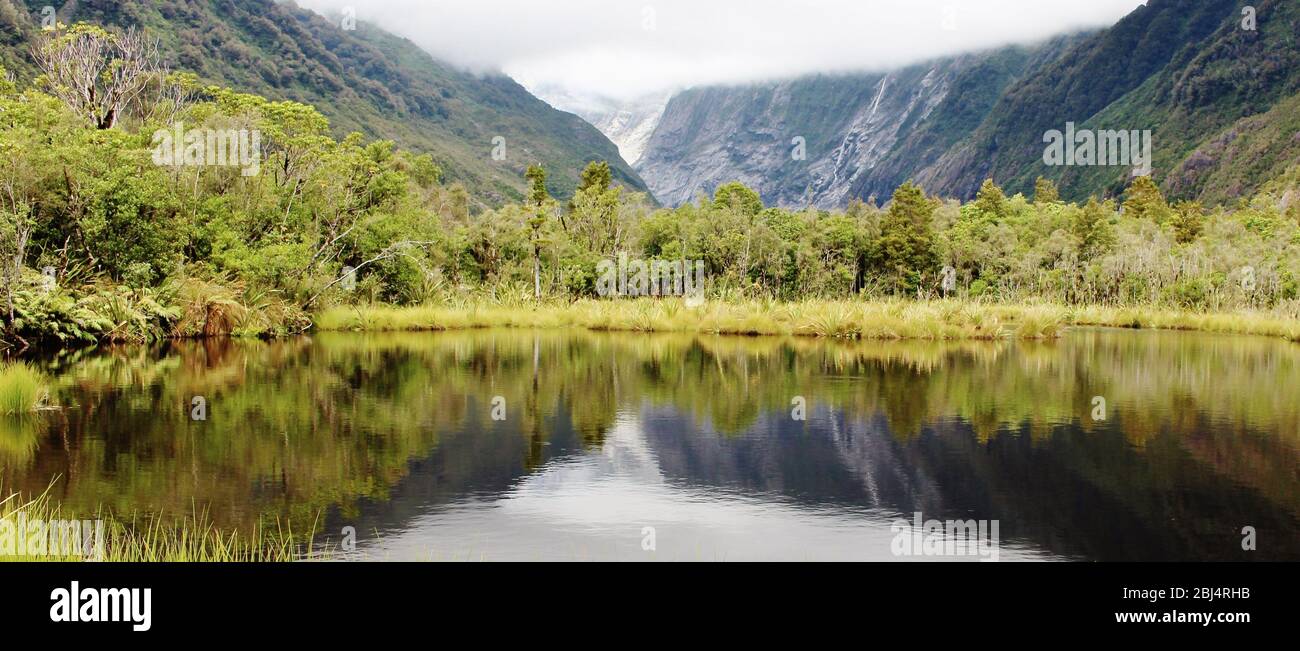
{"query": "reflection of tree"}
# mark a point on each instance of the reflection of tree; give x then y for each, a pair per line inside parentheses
(301, 425)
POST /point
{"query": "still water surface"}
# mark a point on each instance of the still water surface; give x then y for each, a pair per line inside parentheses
(610, 440)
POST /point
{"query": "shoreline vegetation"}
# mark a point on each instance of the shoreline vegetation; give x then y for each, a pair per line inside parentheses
(871, 320)
(50, 535)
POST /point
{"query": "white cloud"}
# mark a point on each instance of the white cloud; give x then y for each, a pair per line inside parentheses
(628, 48)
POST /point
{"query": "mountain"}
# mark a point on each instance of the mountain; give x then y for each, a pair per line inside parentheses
(1187, 70)
(859, 134)
(363, 79)
(628, 123)
(1219, 98)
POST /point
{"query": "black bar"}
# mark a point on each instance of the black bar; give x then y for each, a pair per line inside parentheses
(331, 599)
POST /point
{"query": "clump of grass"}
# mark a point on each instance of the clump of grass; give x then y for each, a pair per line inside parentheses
(835, 322)
(22, 389)
(1040, 323)
(207, 308)
(190, 539)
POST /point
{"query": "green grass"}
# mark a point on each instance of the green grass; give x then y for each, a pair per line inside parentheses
(1241, 323)
(22, 389)
(940, 320)
(189, 539)
(880, 320)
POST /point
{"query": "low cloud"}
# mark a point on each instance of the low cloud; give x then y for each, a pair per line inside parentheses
(628, 48)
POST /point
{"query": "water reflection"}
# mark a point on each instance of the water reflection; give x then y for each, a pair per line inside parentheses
(607, 437)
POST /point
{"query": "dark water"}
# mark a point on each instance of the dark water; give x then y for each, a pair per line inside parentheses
(611, 442)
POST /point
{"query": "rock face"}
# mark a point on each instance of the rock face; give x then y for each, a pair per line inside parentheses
(822, 140)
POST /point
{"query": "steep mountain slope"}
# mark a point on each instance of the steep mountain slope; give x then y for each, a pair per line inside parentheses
(1186, 69)
(862, 134)
(364, 80)
(971, 99)
(1226, 113)
(1219, 98)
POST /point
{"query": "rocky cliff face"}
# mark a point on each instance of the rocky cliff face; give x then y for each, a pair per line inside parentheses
(1218, 96)
(823, 140)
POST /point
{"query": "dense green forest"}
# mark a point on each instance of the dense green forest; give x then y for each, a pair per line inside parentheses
(139, 250)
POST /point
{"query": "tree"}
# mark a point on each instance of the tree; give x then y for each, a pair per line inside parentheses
(1045, 192)
(1143, 200)
(1092, 230)
(906, 246)
(594, 211)
(100, 75)
(991, 200)
(15, 231)
(1188, 221)
(537, 200)
(736, 196)
(595, 176)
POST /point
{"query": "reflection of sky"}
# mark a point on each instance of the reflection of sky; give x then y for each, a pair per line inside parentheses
(594, 507)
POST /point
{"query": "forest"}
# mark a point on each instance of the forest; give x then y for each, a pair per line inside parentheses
(99, 242)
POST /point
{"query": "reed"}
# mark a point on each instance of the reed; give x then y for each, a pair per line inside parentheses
(157, 539)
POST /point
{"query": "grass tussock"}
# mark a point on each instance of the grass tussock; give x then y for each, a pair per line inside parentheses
(873, 320)
(190, 539)
(22, 389)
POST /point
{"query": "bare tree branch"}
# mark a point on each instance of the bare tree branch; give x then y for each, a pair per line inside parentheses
(100, 75)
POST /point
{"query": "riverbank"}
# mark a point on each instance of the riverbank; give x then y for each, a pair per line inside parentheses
(832, 319)
(891, 319)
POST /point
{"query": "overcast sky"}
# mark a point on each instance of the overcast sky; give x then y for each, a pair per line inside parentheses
(627, 48)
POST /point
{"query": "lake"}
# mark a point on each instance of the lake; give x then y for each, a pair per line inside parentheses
(518, 445)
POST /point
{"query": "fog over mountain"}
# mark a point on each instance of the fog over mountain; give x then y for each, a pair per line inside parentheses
(627, 49)
(627, 123)
(826, 102)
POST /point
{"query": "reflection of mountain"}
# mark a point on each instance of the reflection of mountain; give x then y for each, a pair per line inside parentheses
(598, 505)
(831, 460)
(1079, 494)
(607, 434)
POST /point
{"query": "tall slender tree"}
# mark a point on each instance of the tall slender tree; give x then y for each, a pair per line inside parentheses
(538, 197)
